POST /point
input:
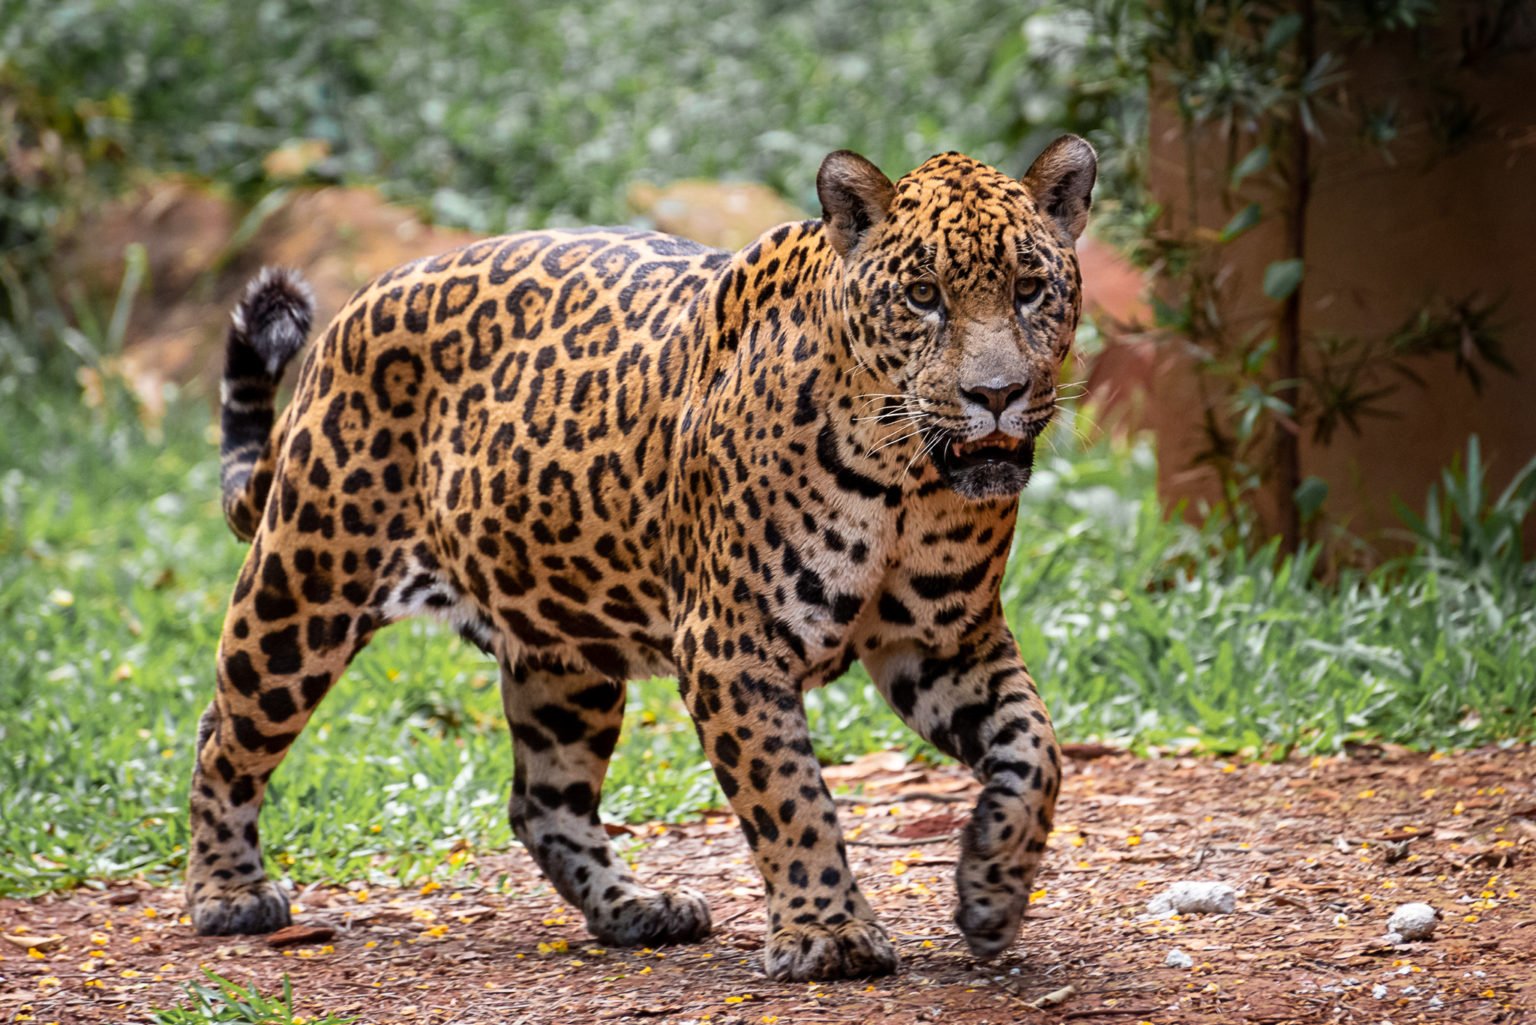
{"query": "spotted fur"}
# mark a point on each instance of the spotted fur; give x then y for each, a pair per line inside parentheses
(607, 454)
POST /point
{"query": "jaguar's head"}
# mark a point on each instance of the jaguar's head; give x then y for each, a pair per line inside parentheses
(961, 292)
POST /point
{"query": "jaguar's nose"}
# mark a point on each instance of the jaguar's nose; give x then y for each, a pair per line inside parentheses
(995, 397)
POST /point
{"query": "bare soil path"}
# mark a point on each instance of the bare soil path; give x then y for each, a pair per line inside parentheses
(1320, 852)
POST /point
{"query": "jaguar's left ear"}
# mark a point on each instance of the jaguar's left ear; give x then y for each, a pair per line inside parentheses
(1061, 180)
(855, 196)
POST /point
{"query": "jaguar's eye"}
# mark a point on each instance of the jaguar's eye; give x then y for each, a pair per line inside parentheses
(1027, 290)
(924, 295)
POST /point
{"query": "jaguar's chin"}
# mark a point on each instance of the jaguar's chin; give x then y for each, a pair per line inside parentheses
(997, 466)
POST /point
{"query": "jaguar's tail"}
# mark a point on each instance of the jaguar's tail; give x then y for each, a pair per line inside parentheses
(267, 328)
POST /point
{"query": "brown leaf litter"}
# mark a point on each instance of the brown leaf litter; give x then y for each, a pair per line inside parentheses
(1319, 851)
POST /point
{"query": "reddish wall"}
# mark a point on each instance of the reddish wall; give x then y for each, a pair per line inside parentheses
(1381, 239)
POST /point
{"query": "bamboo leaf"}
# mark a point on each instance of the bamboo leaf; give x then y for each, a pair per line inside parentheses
(1281, 31)
(1256, 160)
(1241, 221)
(1281, 278)
(1310, 495)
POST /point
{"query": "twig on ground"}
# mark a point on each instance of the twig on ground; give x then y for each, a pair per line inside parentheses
(882, 842)
(1100, 1012)
(910, 795)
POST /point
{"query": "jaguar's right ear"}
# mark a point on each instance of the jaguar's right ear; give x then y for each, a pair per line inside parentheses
(855, 197)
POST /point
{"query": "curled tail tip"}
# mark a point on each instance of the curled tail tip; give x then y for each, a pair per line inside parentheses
(274, 316)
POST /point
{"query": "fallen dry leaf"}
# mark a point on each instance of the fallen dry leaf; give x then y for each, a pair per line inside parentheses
(295, 935)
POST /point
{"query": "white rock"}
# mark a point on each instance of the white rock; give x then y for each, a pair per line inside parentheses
(1190, 898)
(1393, 939)
(1414, 921)
(1379, 991)
(1178, 959)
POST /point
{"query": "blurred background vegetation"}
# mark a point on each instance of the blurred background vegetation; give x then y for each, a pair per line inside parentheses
(1151, 622)
(498, 117)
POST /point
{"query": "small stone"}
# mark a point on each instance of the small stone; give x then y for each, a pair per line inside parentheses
(1178, 959)
(1379, 991)
(1414, 921)
(1392, 939)
(1191, 898)
(294, 935)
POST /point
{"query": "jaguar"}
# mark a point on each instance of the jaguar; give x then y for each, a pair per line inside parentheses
(608, 454)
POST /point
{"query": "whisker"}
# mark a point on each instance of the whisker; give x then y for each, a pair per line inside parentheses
(1084, 425)
(899, 414)
(923, 450)
(887, 443)
(874, 397)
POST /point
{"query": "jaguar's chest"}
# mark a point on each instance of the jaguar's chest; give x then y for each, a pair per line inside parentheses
(870, 576)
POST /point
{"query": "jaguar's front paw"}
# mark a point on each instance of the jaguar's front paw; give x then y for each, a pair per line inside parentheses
(1000, 851)
(256, 907)
(849, 949)
(990, 922)
(653, 917)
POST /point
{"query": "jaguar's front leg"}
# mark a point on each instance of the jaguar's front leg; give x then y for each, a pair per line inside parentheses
(979, 704)
(751, 722)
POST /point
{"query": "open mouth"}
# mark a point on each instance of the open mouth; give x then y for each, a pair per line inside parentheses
(996, 447)
(997, 465)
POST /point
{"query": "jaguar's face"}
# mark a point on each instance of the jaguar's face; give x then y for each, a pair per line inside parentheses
(962, 294)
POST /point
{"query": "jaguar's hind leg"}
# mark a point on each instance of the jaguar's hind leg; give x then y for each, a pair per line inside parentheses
(275, 664)
(565, 724)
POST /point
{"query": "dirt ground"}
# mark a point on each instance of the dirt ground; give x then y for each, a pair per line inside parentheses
(1319, 851)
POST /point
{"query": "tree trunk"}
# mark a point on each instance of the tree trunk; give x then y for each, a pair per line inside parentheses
(1287, 477)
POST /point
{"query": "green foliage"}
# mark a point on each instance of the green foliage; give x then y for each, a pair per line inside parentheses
(115, 567)
(226, 1001)
(500, 116)
(1466, 530)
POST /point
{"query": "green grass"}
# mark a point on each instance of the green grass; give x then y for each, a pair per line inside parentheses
(222, 1000)
(115, 567)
